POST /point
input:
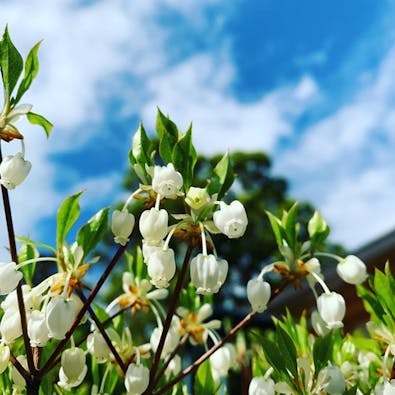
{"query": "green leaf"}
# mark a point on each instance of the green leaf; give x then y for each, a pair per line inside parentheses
(141, 147)
(93, 231)
(287, 351)
(276, 227)
(222, 177)
(68, 213)
(351, 391)
(27, 252)
(383, 290)
(204, 382)
(31, 71)
(370, 302)
(27, 240)
(290, 226)
(168, 136)
(322, 352)
(36, 119)
(11, 63)
(184, 158)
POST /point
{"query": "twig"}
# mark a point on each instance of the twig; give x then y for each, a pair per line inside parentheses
(169, 317)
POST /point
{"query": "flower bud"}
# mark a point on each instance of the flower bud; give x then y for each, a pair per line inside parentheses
(153, 224)
(136, 379)
(59, 315)
(231, 219)
(332, 308)
(197, 198)
(73, 369)
(98, 347)
(258, 294)
(223, 359)
(208, 273)
(122, 224)
(167, 181)
(161, 267)
(352, 270)
(9, 277)
(317, 225)
(261, 386)
(4, 357)
(13, 170)
(37, 329)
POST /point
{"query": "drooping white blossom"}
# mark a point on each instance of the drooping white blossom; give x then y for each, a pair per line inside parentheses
(17, 378)
(13, 170)
(9, 277)
(332, 309)
(167, 182)
(136, 379)
(122, 223)
(197, 198)
(153, 225)
(222, 360)
(231, 219)
(98, 347)
(319, 325)
(258, 294)
(352, 270)
(37, 329)
(73, 368)
(208, 273)
(172, 337)
(59, 315)
(336, 384)
(10, 326)
(161, 267)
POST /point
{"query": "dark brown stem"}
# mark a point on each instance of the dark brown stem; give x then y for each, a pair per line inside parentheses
(169, 317)
(207, 354)
(21, 302)
(52, 360)
(103, 332)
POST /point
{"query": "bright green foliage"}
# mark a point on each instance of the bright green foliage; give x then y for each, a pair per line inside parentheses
(204, 382)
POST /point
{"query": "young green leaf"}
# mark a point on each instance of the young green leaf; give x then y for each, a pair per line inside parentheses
(204, 382)
(168, 136)
(11, 64)
(31, 71)
(36, 119)
(184, 158)
(93, 231)
(276, 227)
(141, 147)
(26, 253)
(222, 178)
(322, 352)
(67, 214)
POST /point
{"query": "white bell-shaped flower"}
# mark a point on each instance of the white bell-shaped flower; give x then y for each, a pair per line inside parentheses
(149, 248)
(59, 315)
(4, 357)
(13, 170)
(73, 369)
(98, 347)
(9, 277)
(153, 224)
(136, 379)
(37, 329)
(122, 223)
(172, 338)
(161, 267)
(387, 388)
(352, 270)
(222, 360)
(208, 273)
(166, 181)
(332, 309)
(336, 382)
(17, 378)
(10, 326)
(231, 219)
(258, 294)
(261, 386)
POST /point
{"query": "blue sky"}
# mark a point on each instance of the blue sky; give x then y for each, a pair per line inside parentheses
(311, 83)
